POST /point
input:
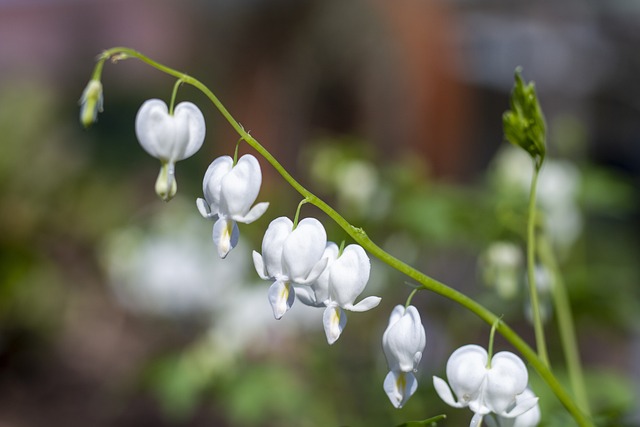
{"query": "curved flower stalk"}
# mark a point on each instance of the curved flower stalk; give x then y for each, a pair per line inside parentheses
(485, 386)
(536, 361)
(403, 343)
(169, 138)
(229, 191)
(290, 257)
(342, 281)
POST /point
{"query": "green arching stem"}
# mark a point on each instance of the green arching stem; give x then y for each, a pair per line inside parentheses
(295, 218)
(97, 70)
(565, 324)
(491, 336)
(410, 297)
(531, 253)
(235, 153)
(174, 93)
(360, 237)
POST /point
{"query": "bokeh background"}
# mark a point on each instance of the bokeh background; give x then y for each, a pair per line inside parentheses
(116, 311)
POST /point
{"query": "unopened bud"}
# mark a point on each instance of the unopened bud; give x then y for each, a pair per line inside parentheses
(524, 125)
(91, 103)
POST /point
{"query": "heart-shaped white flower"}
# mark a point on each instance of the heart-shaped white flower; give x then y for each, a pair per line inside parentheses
(485, 386)
(169, 138)
(229, 191)
(290, 257)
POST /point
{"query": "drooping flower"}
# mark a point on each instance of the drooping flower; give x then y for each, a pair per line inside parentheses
(229, 191)
(290, 257)
(91, 103)
(169, 138)
(342, 281)
(485, 386)
(403, 343)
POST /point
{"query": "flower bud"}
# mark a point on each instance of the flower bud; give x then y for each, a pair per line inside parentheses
(524, 125)
(91, 103)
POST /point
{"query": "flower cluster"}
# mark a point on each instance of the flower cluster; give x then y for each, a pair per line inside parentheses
(487, 386)
(300, 262)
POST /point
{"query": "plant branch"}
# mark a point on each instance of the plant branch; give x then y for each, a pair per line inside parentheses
(360, 237)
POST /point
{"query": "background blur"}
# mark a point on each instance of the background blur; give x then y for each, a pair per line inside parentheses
(114, 308)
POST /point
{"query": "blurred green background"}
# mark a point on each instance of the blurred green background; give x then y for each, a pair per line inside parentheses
(114, 308)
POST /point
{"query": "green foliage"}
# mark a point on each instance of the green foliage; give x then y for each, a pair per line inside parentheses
(430, 422)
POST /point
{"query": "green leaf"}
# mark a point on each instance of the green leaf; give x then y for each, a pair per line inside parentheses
(524, 125)
(431, 422)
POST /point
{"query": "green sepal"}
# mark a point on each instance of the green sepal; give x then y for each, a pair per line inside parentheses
(524, 125)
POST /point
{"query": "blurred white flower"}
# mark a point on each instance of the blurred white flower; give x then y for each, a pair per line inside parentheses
(403, 343)
(169, 138)
(502, 264)
(168, 270)
(229, 191)
(558, 187)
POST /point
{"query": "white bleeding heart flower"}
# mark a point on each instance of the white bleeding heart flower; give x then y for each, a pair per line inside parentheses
(229, 192)
(342, 281)
(485, 386)
(169, 138)
(290, 257)
(403, 343)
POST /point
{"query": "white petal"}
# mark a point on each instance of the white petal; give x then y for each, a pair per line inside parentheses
(303, 249)
(366, 304)
(225, 236)
(204, 209)
(259, 265)
(507, 378)
(321, 283)
(241, 186)
(307, 296)
(190, 117)
(281, 296)
(399, 387)
(476, 420)
(334, 320)
(523, 409)
(170, 138)
(396, 314)
(272, 244)
(315, 273)
(404, 340)
(349, 275)
(466, 371)
(256, 212)
(523, 417)
(211, 184)
(151, 122)
(445, 394)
